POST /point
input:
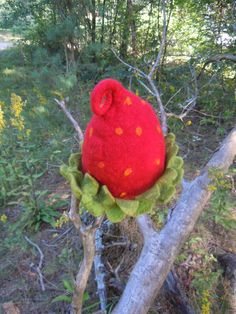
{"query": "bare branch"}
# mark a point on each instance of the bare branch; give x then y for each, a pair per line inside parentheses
(217, 58)
(100, 269)
(62, 105)
(39, 267)
(145, 86)
(160, 105)
(73, 215)
(84, 270)
(146, 226)
(134, 69)
(154, 91)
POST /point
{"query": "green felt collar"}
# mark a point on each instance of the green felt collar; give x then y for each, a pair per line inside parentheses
(98, 200)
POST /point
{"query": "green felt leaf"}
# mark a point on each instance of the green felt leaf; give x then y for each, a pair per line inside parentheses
(91, 205)
(163, 185)
(64, 171)
(167, 194)
(77, 175)
(115, 214)
(179, 176)
(171, 150)
(105, 197)
(89, 185)
(145, 206)
(152, 193)
(168, 177)
(74, 187)
(170, 139)
(175, 162)
(129, 207)
(74, 160)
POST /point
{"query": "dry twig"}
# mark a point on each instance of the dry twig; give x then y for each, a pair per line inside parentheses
(100, 269)
(62, 105)
(39, 267)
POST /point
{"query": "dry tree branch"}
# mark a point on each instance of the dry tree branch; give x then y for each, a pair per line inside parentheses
(217, 58)
(87, 235)
(62, 105)
(131, 67)
(39, 267)
(100, 270)
(161, 249)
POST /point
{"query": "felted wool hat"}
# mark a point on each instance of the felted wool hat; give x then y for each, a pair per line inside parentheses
(124, 147)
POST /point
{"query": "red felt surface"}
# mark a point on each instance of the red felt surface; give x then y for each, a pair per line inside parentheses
(124, 146)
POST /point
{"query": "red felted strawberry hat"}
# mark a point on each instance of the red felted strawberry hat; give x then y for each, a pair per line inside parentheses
(124, 146)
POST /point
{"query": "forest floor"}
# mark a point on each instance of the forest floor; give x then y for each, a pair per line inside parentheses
(62, 252)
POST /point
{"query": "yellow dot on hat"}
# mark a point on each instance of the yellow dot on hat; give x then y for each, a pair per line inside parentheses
(158, 129)
(128, 172)
(118, 131)
(157, 162)
(123, 194)
(90, 132)
(101, 164)
(138, 131)
(128, 101)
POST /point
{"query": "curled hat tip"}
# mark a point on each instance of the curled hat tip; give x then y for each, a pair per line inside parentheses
(103, 94)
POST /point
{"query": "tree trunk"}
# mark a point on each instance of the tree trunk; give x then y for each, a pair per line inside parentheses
(103, 20)
(125, 31)
(93, 30)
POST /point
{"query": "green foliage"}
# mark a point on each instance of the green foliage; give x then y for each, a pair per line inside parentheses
(200, 270)
(221, 205)
(67, 297)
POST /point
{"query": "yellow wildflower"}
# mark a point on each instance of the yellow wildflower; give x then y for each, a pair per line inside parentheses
(3, 218)
(16, 109)
(42, 99)
(188, 123)
(206, 305)
(63, 219)
(212, 188)
(2, 120)
(28, 132)
(172, 89)
(58, 94)
(18, 123)
(16, 105)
